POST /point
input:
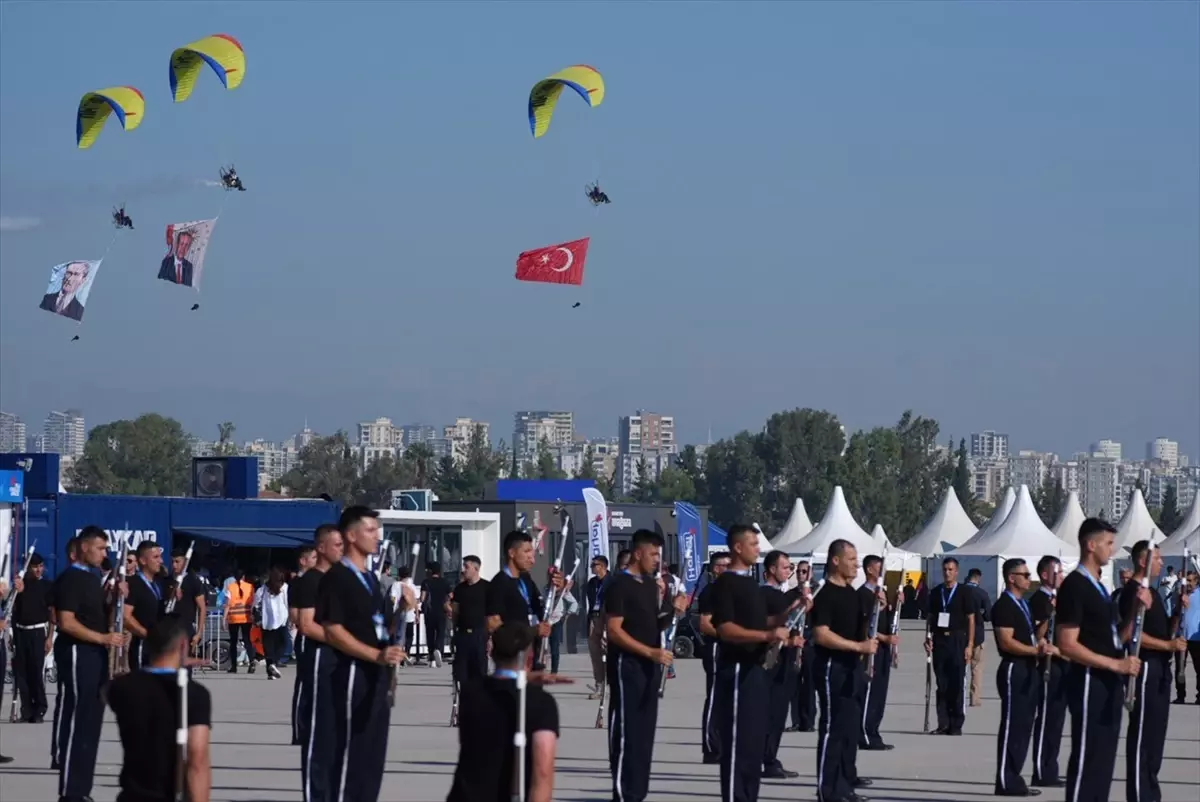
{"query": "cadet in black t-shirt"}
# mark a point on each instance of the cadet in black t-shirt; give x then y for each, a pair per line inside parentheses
(1017, 679)
(435, 590)
(145, 604)
(189, 591)
(780, 663)
(1088, 636)
(1147, 733)
(147, 707)
(512, 595)
(838, 617)
(312, 657)
(636, 616)
(82, 661)
(1052, 696)
(468, 610)
(872, 596)
(744, 633)
(32, 628)
(354, 722)
(710, 736)
(486, 755)
(950, 639)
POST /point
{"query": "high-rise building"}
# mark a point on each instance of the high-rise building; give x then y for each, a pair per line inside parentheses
(12, 433)
(1100, 492)
(1163, 450)
(1110, 449)
(459, 435)
(65, 433)
(376, 438)
(530, 427)
(1029, 468)
(989, 445)
(644, 437)
(413, 433)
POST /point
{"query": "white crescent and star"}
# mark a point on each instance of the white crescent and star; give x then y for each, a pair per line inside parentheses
(570, 261)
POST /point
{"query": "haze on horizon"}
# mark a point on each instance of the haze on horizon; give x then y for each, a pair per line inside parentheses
(988, 213)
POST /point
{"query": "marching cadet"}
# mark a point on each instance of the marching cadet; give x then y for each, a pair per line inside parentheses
(710, 738)
(512, 596)
(1088, 636)
(1147, 733)
(191, 607)
(72, 551)
(1052, 696)
(32, 632)
(348, 741)
(486, 752)
(950, 638)
(781, 674)
(595, 622)
(82, 662)
(310, 636)
(838, 618)
(875, 699)
(147, 707)
(635, 619)
(1017, 678)
(145, 605)
(468, 610)
(740, 693)
(804, 702)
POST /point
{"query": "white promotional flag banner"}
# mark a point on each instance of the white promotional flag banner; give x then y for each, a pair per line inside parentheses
(597, 513)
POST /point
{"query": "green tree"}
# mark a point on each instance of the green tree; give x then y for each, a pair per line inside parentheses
(606, 485)
(870, 477)
(691, 463)
(1170, 518)
(381, 477)
(480, 465)
(1049, 500)
(923, 475)
(148, 456)
(735, 477)
(448, 480)
(324, 466)
(800, 450)
(419, 456)
(547, 465)
(674, 484)
(225, 446)
(961, 481)
(644, 490)
(587, 464)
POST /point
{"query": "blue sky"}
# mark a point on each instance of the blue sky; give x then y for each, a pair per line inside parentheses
(988, 212)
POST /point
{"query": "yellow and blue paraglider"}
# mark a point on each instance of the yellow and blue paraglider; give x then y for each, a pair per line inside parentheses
(543, 97)
(96, 107)
(220, 51)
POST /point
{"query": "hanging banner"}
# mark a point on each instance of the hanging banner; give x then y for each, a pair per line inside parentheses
(597, 513)
(687, 522)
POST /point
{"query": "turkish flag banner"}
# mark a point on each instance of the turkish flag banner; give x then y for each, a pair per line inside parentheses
(554, 264)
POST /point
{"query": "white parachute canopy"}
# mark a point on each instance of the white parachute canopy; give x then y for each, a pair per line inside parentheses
(949, 528)
(998, 518)
(1136, 524)
(837, 524)
(1066, 528)
(798, 525)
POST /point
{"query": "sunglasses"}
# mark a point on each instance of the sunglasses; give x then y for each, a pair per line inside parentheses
(1025, 575)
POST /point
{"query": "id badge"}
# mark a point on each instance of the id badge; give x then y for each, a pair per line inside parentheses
(943, 621)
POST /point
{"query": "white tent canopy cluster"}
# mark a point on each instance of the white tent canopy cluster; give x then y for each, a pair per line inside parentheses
(1187, 535)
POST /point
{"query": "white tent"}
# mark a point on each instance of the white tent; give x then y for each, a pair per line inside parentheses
(1191, 521)
(764, 545)
(1175, 544)
(798, 525)
(1066, 528)
(1021, 535)
(1136, 524)
(997, 519)
(949, 527)
(838, 524)
(897, 559)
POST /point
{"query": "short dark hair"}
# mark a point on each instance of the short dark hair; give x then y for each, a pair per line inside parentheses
(89, 533)
(146, 546)
(870, 560)
(645, 537)
(949, 561)
(511, 639)
(433, 568)
(739, 531)
(1045, 563)
(1092, 527)
(178, 551)
(975, 572)
(353, 515)
(35, 560)
(515, 538)
(72, 545)
(164, 636)
(403, 572)
(305, 550)
(838, 547)
(772, 559)
(1010, 565)
(471, 558)
(1140, 548)
(673, 568)
(719, 555)
(600, 558)
(323, 531)
(623, 556)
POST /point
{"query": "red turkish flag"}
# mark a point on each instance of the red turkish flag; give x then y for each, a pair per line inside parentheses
(554, 264)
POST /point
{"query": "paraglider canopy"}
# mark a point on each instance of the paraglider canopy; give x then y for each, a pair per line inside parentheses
(96, 107)
(585, 80)
(220, 51)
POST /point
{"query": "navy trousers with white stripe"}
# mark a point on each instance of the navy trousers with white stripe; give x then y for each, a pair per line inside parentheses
(1048, 723)
(950, 665)
(710, 736)
(632, 719)
(781, 688)
(301, 693)
(839, 689)
(741, 698)
(317, 759)
(876, 698)
(1147, 730)
(804, 701)
(1017, 682)
(82, 671)
(1095, 699)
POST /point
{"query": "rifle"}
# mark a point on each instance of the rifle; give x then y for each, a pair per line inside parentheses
(1050, 637)
(116, 654)
(187, 560)
(1135, 644)
(604, 675)
(9, 606)
(558, 561)
(896, 626)
(181, 733)
(928, 687)
(771, 659)
(873, 622)
(519, 735)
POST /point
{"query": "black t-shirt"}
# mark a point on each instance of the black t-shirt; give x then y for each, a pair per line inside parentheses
(1007, 613)
(186, 607)
(778, 600)
(868, 601)
(79, 591)
(472, 604)
(592, 590)
(704, 601)
(354, 601)
(302, 595)
(146, 705)
(839, 607)
(1155, 623)
(504, 599)
(436, 590)
(486, 722)
(635, 599)
(145, 599)
(737, 598)
(1089, 608)
(32, 605)
(958, 600)
(1041, 609)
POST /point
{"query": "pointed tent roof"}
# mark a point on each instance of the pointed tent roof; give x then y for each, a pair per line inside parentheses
(764, 545)
(1066, 528)
(1175, 544)
(798, 525)
(1136, 524)
(838, 524)
(1022, 534)
(1191, 521)
(997, 520)
(949, 527)
(880, 537)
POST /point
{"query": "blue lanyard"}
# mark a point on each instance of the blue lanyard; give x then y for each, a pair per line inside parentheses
(521, 587)
(361, 576)
(947, 599)
(157, 670)
(377, 618)
(1104, 595)
(88, 568)
(153, 587)
(1025, 612)
(504, 673)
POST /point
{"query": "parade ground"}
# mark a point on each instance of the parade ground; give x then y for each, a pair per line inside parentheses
(252, 761)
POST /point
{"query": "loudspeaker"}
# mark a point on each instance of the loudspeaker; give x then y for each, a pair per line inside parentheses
(225, 477)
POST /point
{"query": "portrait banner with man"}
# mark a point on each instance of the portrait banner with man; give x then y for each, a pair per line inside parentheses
(70, 283)
(186, 246)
